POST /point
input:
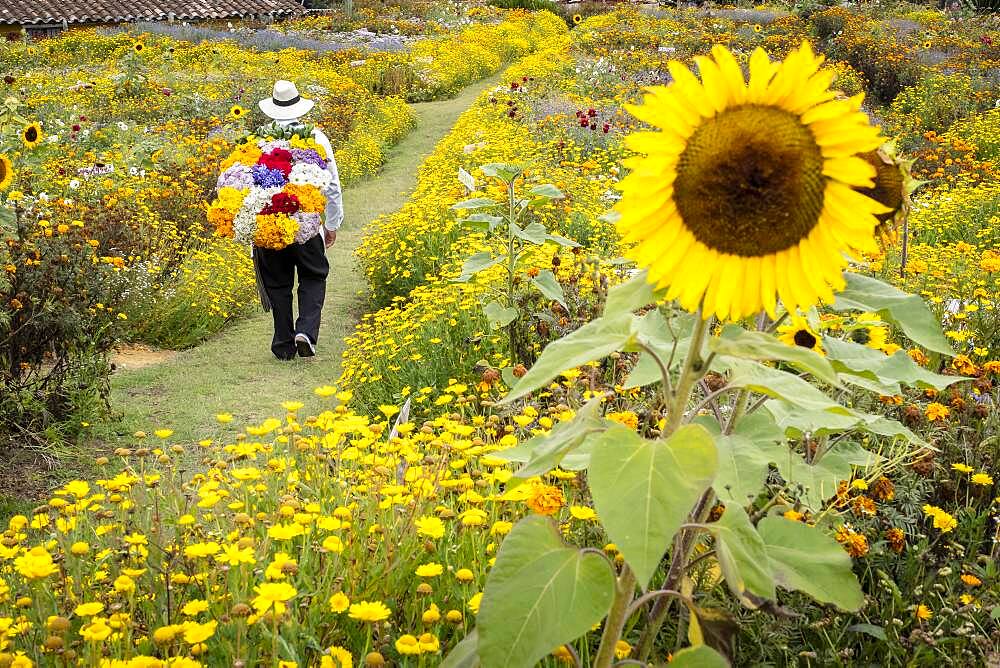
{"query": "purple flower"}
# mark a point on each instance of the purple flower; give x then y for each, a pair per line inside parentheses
(308, 226)
(307, 156)
(238, 176)
(268, 178)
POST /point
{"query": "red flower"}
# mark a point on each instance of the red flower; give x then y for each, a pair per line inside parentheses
(279, 159)
(282, 203)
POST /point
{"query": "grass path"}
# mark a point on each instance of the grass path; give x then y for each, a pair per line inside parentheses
(235, 371)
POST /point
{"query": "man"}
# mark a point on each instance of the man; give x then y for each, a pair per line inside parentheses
(277, 268)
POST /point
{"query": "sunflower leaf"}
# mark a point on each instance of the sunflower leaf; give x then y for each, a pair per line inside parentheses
(595, 340)
(909, 312)
(644, 490)
(741, 555)
(540, 594)
(738, 342)
(806, 559)
(853, 359)
(701, 656)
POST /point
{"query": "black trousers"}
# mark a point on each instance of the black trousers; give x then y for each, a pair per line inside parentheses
(277, 272)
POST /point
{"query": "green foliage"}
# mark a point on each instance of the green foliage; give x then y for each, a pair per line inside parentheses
(932, 104)
(539, 594)
(644, 489)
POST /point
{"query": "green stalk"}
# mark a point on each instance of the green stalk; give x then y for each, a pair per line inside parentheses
(613, 625)
(691, 372)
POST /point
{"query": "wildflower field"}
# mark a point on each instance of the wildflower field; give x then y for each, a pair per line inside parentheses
(683, 348)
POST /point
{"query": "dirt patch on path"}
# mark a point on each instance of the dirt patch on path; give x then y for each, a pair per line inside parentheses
(138, 357)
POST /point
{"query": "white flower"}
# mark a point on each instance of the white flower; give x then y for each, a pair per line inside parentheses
(74, 184)
(245, 220)
(123, 126)
(305, 174)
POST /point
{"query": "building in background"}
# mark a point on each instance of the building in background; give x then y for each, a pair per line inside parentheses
(45, 18)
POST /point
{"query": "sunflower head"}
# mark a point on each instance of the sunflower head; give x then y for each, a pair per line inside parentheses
(744, 192)
(757, 27)
(799, 333)
(893, 187)
(576, 19)
(138, 46)
(236, 111)
(31, 135)
(6, 172)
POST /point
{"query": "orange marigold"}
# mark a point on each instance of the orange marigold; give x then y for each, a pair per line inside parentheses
(545, 499)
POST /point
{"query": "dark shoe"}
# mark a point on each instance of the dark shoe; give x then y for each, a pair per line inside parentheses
(304, 346)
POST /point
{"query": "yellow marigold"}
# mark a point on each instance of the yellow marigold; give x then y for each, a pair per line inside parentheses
(274, 231)
(854, 543)
(311, 200)
(971, 580)
(936, 412)
(627, 418)
(545, 499)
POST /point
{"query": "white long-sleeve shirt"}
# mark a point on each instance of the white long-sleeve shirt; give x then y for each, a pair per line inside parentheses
(333, 215)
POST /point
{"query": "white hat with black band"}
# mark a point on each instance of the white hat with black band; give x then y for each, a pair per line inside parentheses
(285, 103)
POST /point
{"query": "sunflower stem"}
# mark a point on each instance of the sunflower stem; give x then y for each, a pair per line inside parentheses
(691, 372)
(613, 625)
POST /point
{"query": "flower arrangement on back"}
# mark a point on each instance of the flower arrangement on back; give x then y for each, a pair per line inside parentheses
(278, 189)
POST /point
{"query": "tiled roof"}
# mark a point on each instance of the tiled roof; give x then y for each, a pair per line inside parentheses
(118, 11)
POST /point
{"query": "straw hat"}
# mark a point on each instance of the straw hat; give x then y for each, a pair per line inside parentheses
(285, 103)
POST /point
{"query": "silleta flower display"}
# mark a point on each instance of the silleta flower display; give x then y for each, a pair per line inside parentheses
(270, 192)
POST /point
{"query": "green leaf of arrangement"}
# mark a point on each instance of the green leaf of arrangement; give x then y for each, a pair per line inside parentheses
(474, 203)
(701, 656)
(499, 315)
(782, 385)
(534, 233)
(760, 346)
(477, 263)
(909, 312)
(644, 490)
(467, 179)
(597, 339)
(741, 555)
(547, 190)
(465, 654)
(745, 456)
(855, 359)
(804, 558)
(545, 452)
(549, 287)
(631, 295)
(539, 595)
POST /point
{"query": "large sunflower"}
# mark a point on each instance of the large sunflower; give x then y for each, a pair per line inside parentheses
(31, 135)
(745, 193)
(6, 172)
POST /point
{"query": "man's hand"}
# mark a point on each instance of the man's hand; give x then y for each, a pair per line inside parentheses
(329, 236)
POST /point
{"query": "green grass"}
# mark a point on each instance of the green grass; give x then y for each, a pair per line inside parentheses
(235, 372)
